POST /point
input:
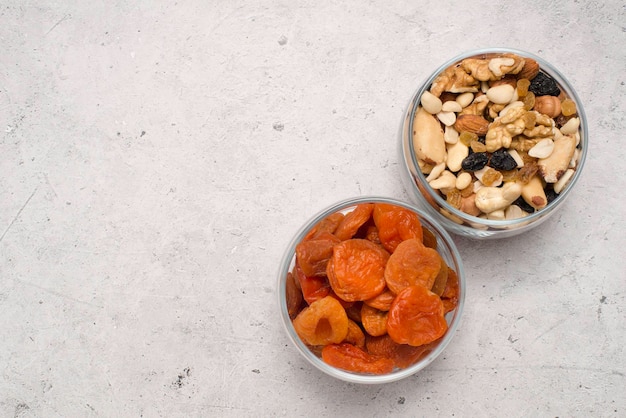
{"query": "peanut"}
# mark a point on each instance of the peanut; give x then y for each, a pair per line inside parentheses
(431, 103)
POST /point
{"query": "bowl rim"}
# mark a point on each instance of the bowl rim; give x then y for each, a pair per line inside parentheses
(286, 265)
(496, 226)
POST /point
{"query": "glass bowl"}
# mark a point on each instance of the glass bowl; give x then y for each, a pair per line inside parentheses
(416, 169)
(444, 246)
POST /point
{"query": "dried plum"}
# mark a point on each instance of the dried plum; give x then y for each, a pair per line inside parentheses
(544, 85)
(523, 205)
(502, 160)
(475, 161)
(551, 194)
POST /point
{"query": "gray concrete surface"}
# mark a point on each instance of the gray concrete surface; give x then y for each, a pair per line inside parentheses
(156, 158)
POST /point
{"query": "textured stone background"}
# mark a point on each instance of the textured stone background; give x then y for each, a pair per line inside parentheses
(157, 157)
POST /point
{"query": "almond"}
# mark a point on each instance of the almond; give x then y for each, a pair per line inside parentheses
(472, 123)
(529, 70)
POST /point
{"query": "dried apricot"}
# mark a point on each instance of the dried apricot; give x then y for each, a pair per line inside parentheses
(343, 303)
(362, 274)
(371, 234)
(353, 221)
(374, 321)
(407, 355)
(442, 278)
(323, 322)
(396, 224)
(412, 264)
(293, 295)
(313, 255)
(383, 301)
(416, 317)
(355, 334)
(450, 295)
(348, 357)
(356, 269)
(313, 288)
(328, 224)
(354, 312)
(403, 355)
(381, 346)
(429, 239)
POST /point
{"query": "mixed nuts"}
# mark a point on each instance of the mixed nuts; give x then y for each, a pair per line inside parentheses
(496, 136)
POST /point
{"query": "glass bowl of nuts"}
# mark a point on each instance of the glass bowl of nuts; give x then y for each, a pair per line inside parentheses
(493, 142)
(371, 290)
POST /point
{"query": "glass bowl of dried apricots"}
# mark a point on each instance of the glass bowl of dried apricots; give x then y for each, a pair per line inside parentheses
(371, 290)
(493, 142)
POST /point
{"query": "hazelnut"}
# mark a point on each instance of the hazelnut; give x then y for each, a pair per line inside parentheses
(548, 105)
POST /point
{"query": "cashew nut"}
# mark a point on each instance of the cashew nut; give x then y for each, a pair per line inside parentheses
(489, 199)
(444, 181)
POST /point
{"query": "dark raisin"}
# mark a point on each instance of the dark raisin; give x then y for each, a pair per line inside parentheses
(475, 161)
(502, 160)
(544, 85)
(524, 205)
(551, 194)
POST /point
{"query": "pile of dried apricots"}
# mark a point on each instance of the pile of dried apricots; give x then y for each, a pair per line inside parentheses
(369, 291)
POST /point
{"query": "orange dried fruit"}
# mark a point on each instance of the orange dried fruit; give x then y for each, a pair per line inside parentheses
(412, 264)
(328, 224)
(383, 301)
(356, 269)
(313, 255)
(323, 322)
(416, 317)
(442, 278)
(374, 321)
(407, 355)
(313, 288)
(429, 238)
(381, 346)
(354, 312)
(355, 335)
(348, 357)
(403, 355)
(371, 234)
(293, 296)
(353, 221)
(450, 295)
(396, 224)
